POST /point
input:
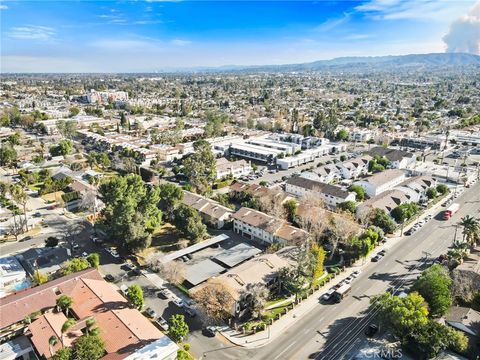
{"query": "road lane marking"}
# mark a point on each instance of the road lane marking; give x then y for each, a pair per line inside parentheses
(288, 347)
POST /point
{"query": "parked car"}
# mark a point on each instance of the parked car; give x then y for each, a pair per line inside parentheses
(84, 254)
(209, 331)
(356, 273)
(328, 295)
(37, 214)
(124, 289)
(371, 330)
(163, 293)
(130, 266)
(348, 280)
(75, 246)
(109, 278)
(376, 258)
(150, 312)
(179, 302)
(383, 252)
(162, 323)
(408, 232)
(191, 312)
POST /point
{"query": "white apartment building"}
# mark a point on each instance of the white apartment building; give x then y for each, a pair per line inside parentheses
(360, 135)
(234, 169)
(330, 194)
(382, 181)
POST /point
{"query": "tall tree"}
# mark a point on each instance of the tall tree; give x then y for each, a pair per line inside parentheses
(200, 167)
(52, 341)
(434, 285)
(64, 302)
(131, 214)
(135, 296)
(65, 327)
(256, 295)
(178, 328)
(89, 347)
(215, 300)
(170, 196)
(20, 197)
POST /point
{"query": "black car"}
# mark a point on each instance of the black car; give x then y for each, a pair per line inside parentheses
(209, 331)
(371, 330)
(376, 258)
(163, 293)
(109, 278)
(408, 232)
(192, 313)
(383, 252)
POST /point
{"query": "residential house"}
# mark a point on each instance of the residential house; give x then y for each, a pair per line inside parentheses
(212, 213)
(399, 159)
(331, 195)
(124, 330)
(381, 181)
(387, 200)
(467, 321)
(12, 275)
(43, 260)
(259, 191)
(416, 187)
(352, 169)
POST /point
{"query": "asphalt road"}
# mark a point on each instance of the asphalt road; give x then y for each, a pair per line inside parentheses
(334, 331)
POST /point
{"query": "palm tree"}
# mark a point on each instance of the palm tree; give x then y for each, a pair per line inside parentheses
(64, 302)
(66, 326)
(471, 229)
(52, 341)
(90, 325)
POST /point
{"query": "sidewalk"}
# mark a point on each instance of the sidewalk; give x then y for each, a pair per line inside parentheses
(280, 326)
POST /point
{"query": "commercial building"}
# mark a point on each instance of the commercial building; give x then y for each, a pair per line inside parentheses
(381, 181)
(424, 142)
(331, 195)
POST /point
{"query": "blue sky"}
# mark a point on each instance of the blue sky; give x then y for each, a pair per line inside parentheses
(136, 36)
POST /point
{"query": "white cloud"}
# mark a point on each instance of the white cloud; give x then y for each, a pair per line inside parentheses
(3, 7)
(32, 32)
(439, 10)
(180, 42)
(358, 37)
(332, 23)
(464, 33)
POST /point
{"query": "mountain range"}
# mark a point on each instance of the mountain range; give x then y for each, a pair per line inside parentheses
(372, 63)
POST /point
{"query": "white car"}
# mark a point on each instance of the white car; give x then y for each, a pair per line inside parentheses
(179, 302)
(124, 289)
(84, 254)
(130, 266)
(356, 273)
(328, 294)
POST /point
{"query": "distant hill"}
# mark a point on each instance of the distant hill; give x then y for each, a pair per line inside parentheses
(373, 63)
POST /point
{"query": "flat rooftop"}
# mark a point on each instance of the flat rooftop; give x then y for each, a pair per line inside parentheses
(203, 271)
(237, 254)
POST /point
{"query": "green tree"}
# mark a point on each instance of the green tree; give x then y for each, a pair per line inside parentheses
(177, 328)
(350, 206)
(89, 347)
(66, 326)
(14, 139)
(64, 353)
(135, 296)
(442, 189)
(404, 212)
(342, 135)
(52, 341)
(290, 207)
(434, 285)
(8, 155)
(471, 229)
(94, 260)
(64, 147)
(189, 222)
(64, 303)
(359, 191)
(432, 193)
(130, 214)
(200, 167)
(74, 111)
(74, 265)
(379, 217)
(170, 196)
(51, 241)
(67, 128)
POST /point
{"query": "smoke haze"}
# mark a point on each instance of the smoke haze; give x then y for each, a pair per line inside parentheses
(464, 34)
